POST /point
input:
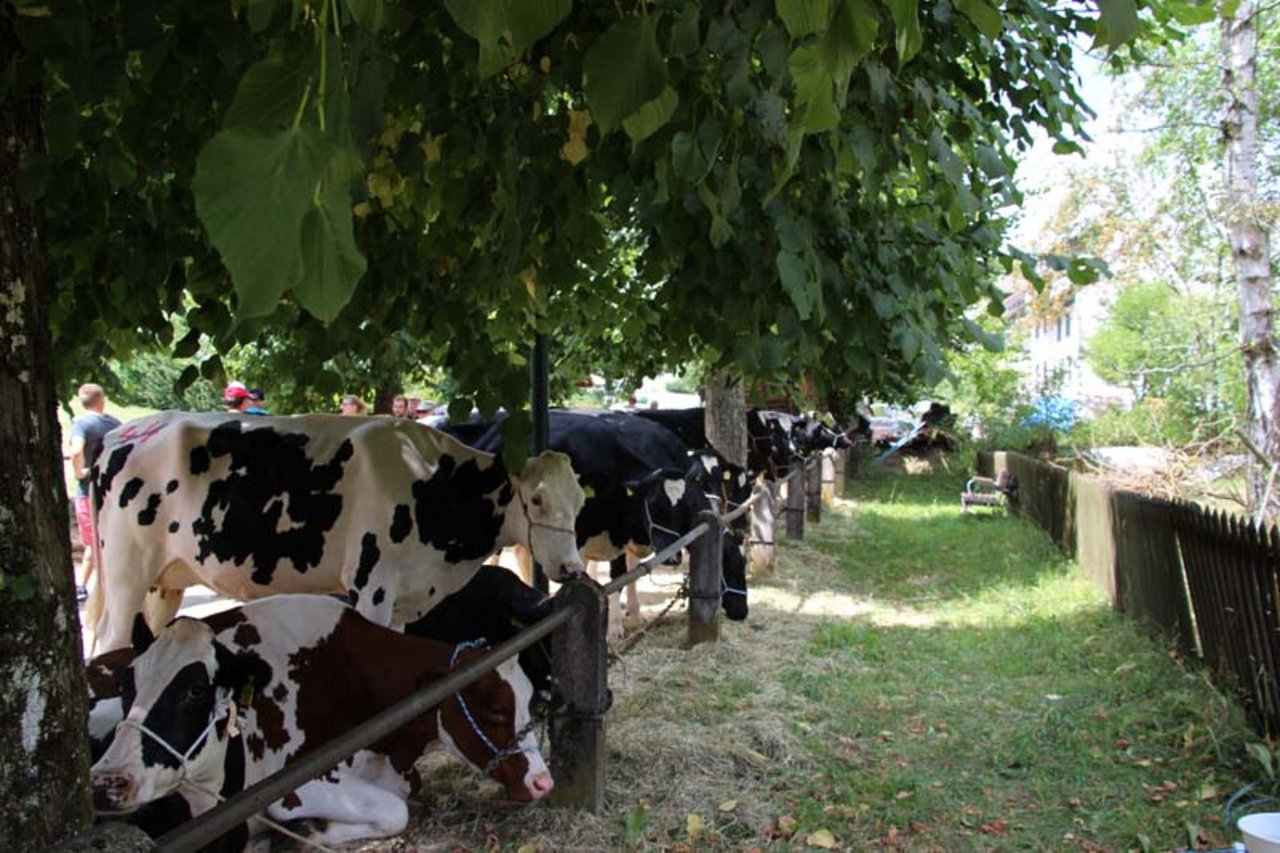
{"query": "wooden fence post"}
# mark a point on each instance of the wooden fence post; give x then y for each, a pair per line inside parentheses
(795, 505)
(764, 518)
(580, 671)
(837, 459)
(813, 490)
(706, 569)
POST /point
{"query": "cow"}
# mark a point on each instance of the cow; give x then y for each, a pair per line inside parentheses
(493, 606)
(643, 491)
(771, 446)
(395, 514)
(214, 705)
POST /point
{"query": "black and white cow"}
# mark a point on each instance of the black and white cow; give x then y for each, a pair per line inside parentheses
(771, 449)
(213, 706)
(395, 514)
(643, 491)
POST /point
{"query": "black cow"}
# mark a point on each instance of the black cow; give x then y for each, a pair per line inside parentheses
(643, 490)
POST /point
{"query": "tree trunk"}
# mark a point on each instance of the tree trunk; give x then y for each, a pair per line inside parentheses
(1249, 244)
(44, 754)
(726, 421)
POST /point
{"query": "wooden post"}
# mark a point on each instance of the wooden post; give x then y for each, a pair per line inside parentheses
(706, 567)
(813, 490)
(795, 505)
(839, 459)
(853, 459)
(764, 518)
(579, 668)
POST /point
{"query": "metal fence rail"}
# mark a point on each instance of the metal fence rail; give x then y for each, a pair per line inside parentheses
(579, 666)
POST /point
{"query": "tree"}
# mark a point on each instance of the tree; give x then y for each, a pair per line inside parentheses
(43, 748)
(1250, 243)
(806, 184)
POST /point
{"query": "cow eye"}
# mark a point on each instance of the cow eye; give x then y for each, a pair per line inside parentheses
(497, 711)
(536, 500)
(196, 693)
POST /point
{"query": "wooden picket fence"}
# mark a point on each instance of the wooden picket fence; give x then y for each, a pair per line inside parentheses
(1207, 582)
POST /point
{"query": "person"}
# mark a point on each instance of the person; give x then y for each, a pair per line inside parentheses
(87, 432)
(399, 406)
(352, 405)
(258, 397)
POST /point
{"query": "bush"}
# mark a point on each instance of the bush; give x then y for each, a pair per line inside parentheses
(150, 379)
(1149, 422)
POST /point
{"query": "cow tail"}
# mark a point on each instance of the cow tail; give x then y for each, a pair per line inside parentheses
(93, 608)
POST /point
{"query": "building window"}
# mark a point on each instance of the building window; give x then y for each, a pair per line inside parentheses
(1067, 322)
(1059, 326)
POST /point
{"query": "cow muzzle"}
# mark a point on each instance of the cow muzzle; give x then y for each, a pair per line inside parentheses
(114, 793)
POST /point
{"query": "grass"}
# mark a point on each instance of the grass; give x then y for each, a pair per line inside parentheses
(990, 699)
(909, 678)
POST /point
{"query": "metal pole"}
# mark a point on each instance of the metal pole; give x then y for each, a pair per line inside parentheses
(539, 400)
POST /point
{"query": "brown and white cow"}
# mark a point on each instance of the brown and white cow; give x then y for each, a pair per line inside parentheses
(395, 514)
(212, 706)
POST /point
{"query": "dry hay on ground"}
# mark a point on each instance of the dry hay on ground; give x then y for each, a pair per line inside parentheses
(690, 731)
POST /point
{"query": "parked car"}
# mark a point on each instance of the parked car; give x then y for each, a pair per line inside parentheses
(887, 429)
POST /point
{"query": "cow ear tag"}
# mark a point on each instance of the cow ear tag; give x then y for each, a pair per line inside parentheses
(589, 492)
(630, 492)
(246, 694)
(727, 476)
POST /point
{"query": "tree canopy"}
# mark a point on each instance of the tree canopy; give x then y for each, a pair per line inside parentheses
(766, 187)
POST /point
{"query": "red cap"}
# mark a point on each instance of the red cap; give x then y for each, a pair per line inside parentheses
(235, 391)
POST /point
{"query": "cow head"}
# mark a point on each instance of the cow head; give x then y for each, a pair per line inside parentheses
(179, 700)
(733, 569)
(548, 500)
(662, 507)
(717, 476)
(488, 724)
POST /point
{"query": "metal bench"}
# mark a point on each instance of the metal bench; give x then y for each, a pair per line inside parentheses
(984, 491)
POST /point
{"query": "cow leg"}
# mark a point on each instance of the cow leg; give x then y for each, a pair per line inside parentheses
(354, 803)
(633, 594)
(616, 628)
(122, 592)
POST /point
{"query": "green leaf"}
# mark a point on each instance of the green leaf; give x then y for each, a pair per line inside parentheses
(687, 161)
(260, 13)
(802, 17)
(642, 123)
(1118, 23)
(624, 70)
(271, 90)
(252, 190)
(945, 159)
(332, 265)
(990, 162)
(799, 281)
(815, 94)
(906, 20)
(685, 35)
(506, 28)
(369, 14)
(721, 231)
(984, 16)
(1192, 14)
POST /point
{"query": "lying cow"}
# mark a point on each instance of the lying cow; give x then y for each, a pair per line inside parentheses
(213, 706)
(395, 514)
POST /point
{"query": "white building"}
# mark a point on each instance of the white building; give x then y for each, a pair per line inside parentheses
(1053, 328)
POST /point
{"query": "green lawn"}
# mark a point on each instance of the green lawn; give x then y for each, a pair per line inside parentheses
(909, 678)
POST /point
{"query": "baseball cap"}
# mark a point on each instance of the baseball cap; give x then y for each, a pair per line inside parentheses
(235, 391)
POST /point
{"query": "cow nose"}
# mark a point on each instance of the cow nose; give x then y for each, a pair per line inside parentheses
(573, 569)
(735, 607)
(541, 785)
(111, 791)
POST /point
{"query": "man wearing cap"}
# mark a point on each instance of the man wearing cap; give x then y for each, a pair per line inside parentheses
(86, 443)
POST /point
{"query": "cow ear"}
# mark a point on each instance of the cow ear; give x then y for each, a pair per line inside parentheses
(142, 636)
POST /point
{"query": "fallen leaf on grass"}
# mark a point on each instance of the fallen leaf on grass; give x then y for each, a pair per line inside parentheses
(693, 826)
(786, 825)
(728, 805)
(994, 827)
(821, 838)
(527, 848)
